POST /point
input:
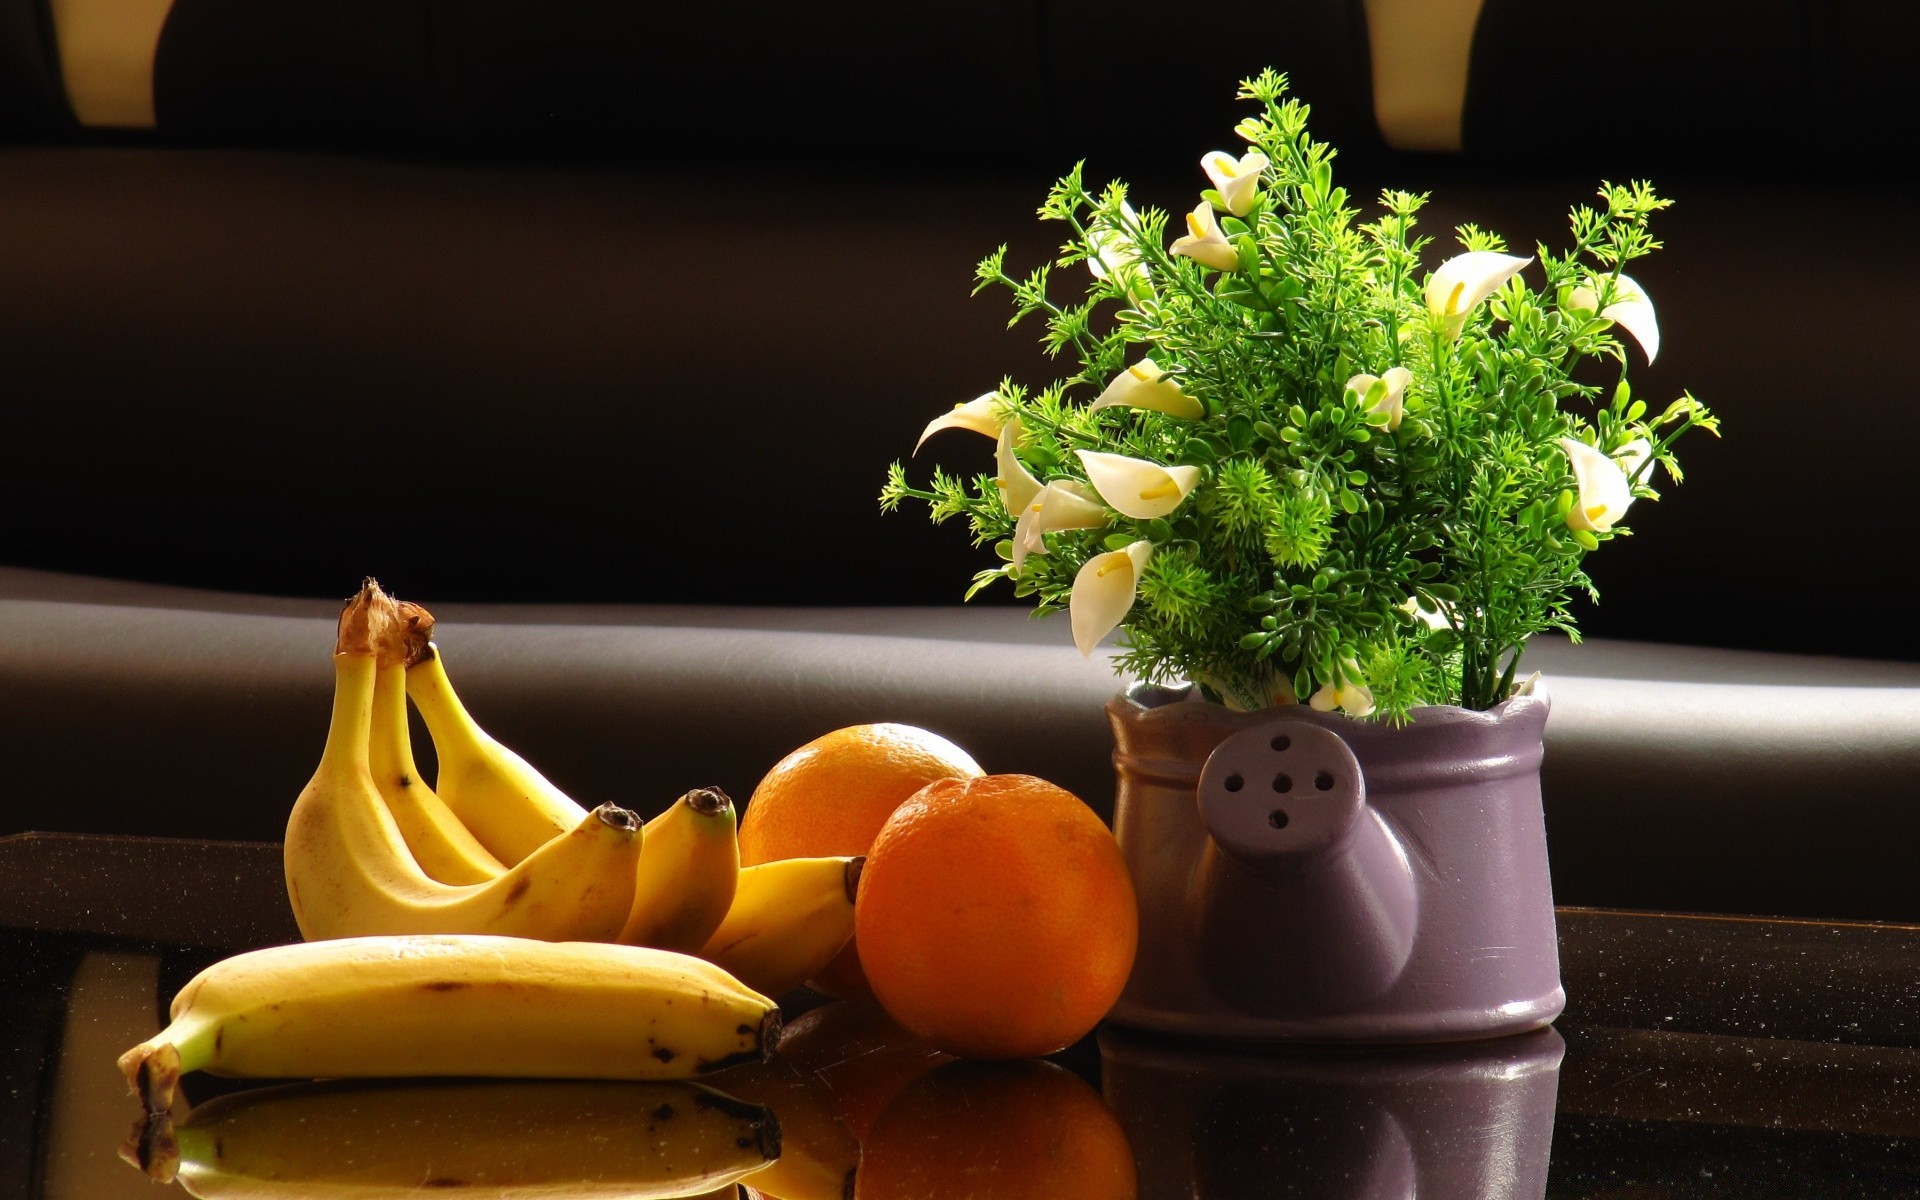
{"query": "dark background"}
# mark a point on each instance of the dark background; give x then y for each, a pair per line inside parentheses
(611, 302)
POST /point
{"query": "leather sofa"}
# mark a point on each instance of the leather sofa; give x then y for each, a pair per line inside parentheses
(596, 326)
(1691, 779)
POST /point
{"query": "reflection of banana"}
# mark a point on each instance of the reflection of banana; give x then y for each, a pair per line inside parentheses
(415, 1006)
(349, 872)
(687, 875)
(442, 846)
(818, 1154)
(507, 804)
(545, 1139)
(789, 918)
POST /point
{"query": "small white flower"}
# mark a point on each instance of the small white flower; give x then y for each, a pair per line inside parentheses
(1459, 284)
(1062, 504)
(976, 415)
(1235, 179)
(1604, 492)
(1344, 692)
(1142, 490)
(1103, 593)
(1632, 309)
(1017, 485)
(1145, 385)
(1204, 243)
(1383, 394)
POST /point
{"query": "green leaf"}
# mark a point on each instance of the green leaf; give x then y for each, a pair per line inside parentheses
(1240, 432)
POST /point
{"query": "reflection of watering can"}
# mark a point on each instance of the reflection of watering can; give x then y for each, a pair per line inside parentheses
(1306, 876)
(1223, 1123)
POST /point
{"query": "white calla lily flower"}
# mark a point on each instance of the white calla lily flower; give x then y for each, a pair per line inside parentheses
(1344, 692)
(1017, 485)
(1204, 243)
(1631, 309)
(1392, 398)
(1142, 490)
(1604, 491)
(1458, 285)
(1103, 593)
(1236, 179)
(975, 415)
(1062, 504)
(1145, 385)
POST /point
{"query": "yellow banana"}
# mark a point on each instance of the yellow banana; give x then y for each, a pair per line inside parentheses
(509, 806)
(687, 874)
(549, 1139)
(349, 872)
(819, 1155)
(443, 847)
(467, 1005)
(789, 918)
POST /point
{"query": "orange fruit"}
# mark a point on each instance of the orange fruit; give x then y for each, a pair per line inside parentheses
(997, 1131)
(859, 1055)
(831, 796)
(995, 916)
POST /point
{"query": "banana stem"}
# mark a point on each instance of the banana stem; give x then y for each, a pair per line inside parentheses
(391, 748)
(452, 727)
(352, 723)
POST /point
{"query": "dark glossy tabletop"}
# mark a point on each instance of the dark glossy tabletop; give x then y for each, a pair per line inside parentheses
(1698, 1057)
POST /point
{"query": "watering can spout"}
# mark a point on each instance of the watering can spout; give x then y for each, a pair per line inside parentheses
(1297, 864)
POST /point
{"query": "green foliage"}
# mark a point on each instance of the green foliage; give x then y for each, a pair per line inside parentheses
(1329, 538)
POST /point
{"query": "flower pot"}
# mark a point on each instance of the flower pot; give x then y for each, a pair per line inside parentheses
(1306, 876)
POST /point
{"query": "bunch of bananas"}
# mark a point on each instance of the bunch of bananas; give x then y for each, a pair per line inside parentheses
(496, 848)
(493, 927)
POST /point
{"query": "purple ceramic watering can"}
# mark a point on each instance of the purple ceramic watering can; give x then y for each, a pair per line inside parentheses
(1306, 876)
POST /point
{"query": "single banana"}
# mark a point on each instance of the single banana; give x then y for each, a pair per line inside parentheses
(687, 875)
(547, 1139)
(465, 1005)
(819, 1156)
(498, 795)
(444, 848)
(789, 918)
(349, 872)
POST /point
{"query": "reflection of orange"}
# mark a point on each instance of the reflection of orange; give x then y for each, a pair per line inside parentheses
(997, 1131)
(832, 795)
(859, 1055)
(996, 917)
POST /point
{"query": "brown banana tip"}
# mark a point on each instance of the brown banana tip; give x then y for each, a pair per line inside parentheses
(153, 1071)
(766, 1133)
(365, 621)
(709, 801)
(416, 632)
(855, 866)
(151, 1147)
(770, 1027)
(620, 818)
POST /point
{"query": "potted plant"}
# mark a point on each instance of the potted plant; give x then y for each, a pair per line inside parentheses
(1325, 495)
